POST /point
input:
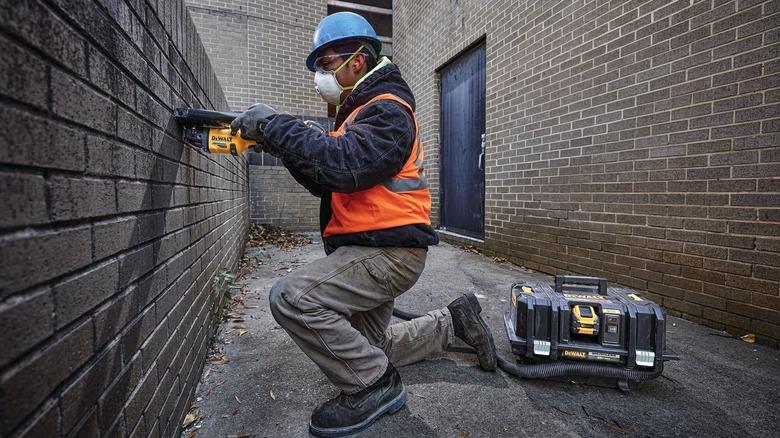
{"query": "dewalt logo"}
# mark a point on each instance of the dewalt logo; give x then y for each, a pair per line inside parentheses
(575, 354)
(220, 138)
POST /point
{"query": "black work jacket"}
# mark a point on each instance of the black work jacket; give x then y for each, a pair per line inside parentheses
(372, 150)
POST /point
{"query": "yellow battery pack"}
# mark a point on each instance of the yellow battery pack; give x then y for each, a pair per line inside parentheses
(584, 320)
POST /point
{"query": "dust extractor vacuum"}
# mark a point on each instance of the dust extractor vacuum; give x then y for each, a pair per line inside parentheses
(580, 329)
(573, 328)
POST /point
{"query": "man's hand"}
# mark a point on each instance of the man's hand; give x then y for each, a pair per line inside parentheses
(252, 122)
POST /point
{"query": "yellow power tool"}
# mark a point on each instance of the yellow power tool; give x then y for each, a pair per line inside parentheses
(210, 131)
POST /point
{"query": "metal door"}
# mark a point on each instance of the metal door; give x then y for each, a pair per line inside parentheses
(462, 174)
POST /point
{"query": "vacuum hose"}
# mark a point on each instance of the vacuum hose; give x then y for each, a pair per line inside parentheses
(406, 316)
(581, 369)
(560, 369)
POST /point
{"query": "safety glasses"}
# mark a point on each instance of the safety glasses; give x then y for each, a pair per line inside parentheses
(331, 62)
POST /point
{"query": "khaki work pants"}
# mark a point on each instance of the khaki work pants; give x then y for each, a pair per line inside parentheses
(338, 308)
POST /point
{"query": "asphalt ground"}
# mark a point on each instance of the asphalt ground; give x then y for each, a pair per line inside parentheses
(267, 388)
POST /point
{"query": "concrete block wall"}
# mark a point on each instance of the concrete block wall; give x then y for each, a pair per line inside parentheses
(111, 230)
(258, 49)
(636, 140)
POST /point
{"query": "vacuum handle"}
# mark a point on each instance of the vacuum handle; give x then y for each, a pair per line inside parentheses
(562, 281)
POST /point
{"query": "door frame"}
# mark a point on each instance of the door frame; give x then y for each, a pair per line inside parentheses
(481, 41)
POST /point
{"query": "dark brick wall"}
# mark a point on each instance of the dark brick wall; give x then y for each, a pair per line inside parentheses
(111, 230)
(636, 140)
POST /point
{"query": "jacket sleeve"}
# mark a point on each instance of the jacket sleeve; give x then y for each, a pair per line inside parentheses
(372, 150)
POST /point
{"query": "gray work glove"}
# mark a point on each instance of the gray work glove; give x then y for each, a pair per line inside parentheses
(252, 122)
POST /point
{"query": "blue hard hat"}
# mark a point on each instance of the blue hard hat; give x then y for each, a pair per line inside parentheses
(341, 26)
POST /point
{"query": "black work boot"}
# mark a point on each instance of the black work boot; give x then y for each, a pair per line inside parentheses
(471, 328)
(350, 413)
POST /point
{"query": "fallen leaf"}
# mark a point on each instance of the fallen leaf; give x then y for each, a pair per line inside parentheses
(230, 414)
(191, 417)
(750, 338)
(241, 331)
(239, 401)
(221, 361)
(272, 395)
(464, 435)
(205, 375)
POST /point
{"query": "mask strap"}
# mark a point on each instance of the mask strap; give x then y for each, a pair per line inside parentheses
(351, 57)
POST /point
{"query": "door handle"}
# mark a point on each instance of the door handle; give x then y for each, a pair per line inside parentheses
(481, 158)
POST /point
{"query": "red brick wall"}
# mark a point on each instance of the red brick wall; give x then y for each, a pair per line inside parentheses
(636, 140)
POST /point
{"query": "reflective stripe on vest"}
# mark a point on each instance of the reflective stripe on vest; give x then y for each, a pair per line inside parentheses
(408, 184)
(404, 199)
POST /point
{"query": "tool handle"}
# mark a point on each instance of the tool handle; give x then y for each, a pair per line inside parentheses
(562, 281)
(221, 141)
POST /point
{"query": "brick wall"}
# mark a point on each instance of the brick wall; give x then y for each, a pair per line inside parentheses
(636, 140)
(276, 198)
(111, 230)
(258, 49)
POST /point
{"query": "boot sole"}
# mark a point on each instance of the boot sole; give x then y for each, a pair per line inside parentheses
(390, 407)
(491, 366)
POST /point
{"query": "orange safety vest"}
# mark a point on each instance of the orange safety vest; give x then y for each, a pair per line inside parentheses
(402, 200)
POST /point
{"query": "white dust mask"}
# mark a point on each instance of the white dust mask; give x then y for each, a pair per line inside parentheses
(328, 86)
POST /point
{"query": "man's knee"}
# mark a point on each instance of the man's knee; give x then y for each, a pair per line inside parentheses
(276, 299)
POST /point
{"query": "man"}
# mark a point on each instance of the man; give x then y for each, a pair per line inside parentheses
(375, 224)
